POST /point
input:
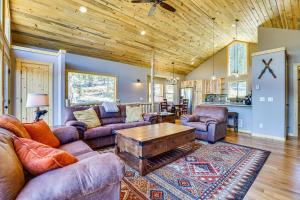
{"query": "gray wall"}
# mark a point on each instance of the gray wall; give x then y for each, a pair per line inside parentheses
(127, 75)
(269, 119)
(270, 38)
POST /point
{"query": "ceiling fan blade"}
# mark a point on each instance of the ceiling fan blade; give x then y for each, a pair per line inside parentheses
(141, 1)
(152, 9)
(167, 6)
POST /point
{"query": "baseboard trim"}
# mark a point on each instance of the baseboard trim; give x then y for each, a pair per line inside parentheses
(240, 130)
(268, 137)
(292, 134)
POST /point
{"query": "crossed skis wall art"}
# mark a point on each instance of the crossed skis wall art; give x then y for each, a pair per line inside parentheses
(267, 67)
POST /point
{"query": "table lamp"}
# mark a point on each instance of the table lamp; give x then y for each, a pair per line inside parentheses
(35, 100)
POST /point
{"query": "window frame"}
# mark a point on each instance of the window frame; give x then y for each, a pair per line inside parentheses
(228, 57)
(237, 81)
(162, 91)
(173, 93)
(89, 73)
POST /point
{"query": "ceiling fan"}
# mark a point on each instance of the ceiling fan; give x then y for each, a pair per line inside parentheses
(154, 5)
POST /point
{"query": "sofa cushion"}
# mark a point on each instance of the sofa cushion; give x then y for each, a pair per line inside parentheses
(87, 155)
(41, 132)
(14, 125)
(11, 171)
(76, 148)
(134, 114)
(89, 117)
(120, 126)
(78, 181)
(39, 158)
(198, 125)
(100, 131)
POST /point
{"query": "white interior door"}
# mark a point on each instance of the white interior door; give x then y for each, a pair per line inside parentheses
(33, 77)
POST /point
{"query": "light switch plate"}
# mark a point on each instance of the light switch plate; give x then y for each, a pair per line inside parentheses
(270, 99)
(262, 99)
(257, 86)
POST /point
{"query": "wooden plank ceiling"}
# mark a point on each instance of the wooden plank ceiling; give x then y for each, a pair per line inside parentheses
(110, 29)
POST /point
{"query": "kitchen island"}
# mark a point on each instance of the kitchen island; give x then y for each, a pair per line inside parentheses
(244, 111)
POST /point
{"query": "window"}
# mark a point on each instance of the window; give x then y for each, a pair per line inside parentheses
(237, 89)
(158, 92)
(89, 88)
(170, 93)
(237, 58)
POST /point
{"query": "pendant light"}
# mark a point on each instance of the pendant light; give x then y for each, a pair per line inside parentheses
(236, 51)
(213, 77)
(173, 81)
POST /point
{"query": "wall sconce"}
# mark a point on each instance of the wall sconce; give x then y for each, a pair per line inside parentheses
(138, 83)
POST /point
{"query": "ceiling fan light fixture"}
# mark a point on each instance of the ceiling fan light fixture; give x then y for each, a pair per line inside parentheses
(82, 9)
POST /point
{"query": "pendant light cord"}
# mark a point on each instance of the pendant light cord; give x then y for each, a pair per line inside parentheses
(213, 46)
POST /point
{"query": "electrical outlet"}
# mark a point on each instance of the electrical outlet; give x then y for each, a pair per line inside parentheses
(240, 123)
(261, 125)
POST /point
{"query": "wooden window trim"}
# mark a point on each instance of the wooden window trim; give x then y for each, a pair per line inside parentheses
(92, 73)
(247, 56)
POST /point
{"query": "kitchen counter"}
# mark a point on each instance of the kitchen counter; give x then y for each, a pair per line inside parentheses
(227, 104)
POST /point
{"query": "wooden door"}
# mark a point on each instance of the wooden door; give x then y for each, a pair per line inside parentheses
(33, 77)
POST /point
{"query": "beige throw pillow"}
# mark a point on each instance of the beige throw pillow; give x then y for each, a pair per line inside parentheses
(134, 114)
(89, 117)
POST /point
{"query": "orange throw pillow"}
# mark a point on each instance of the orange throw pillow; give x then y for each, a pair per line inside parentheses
(38, 158)
(41, 132)
(12, 124)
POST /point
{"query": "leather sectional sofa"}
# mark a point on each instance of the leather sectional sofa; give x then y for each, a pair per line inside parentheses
(94, 176)
(210, 122)
(104, 135)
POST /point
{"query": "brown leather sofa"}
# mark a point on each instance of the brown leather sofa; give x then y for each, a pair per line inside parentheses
(210, 122)
(104, 135)
(94, 176)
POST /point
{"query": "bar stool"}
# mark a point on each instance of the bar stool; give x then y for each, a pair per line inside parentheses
(235, 117)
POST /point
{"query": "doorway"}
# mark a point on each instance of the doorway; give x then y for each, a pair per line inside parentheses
(33, 77)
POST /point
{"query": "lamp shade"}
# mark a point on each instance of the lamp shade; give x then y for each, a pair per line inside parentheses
(36, 100)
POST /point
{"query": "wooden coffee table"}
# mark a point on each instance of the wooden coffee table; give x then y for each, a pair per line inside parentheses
(150, 147)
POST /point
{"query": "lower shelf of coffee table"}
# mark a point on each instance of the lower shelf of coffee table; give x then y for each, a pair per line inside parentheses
(145, 166)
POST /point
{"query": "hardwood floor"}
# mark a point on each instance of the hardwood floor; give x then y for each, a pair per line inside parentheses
(280, 176)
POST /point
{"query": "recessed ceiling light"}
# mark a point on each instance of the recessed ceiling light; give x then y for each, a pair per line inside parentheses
(83, 9)
(233, 25)
(143, 32)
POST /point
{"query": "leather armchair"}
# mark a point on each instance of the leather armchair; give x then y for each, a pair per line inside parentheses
(210, 122)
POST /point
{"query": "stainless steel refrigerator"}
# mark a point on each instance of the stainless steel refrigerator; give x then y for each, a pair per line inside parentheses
(188, 93)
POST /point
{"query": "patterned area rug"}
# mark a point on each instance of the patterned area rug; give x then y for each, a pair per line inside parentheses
(214, 171)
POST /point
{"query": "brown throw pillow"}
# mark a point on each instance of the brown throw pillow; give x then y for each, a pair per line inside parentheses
(14, 125)
(41, 132)
(38, 158)
(11, 171)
